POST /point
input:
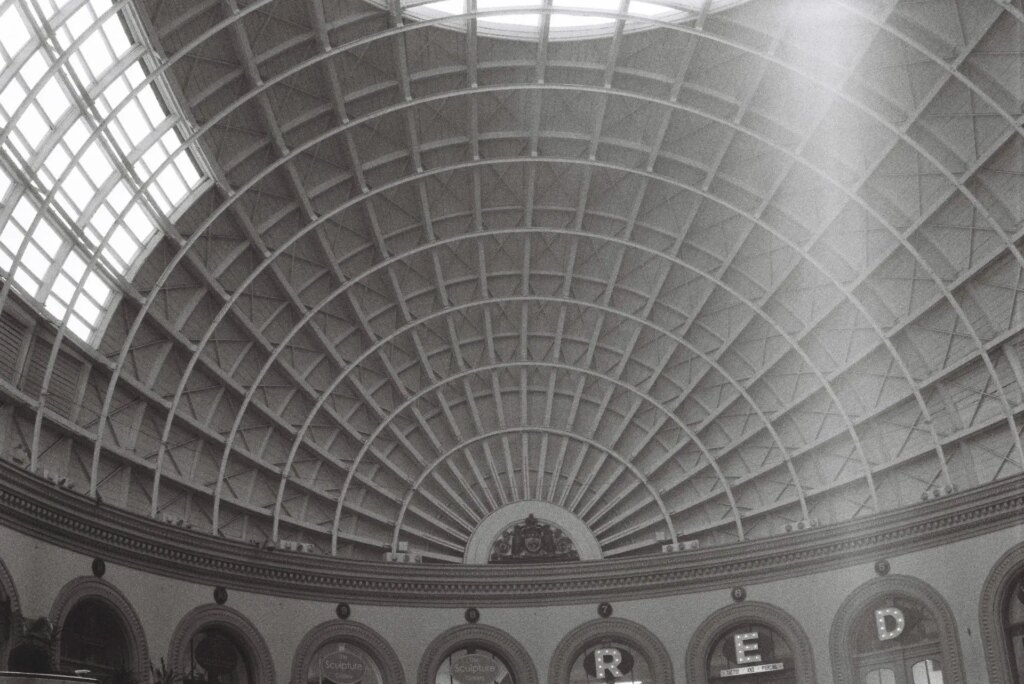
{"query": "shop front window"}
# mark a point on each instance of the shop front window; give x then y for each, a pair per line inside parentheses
(1013, 624)
(217, 658)
(5, 629)
(94, 639)
(896, 640)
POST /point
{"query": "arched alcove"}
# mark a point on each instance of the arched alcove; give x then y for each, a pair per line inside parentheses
(799, 660)
(10, 613)
(613, 633)
(890, 625)
(98, 629)
(222, 624)
(1002, 586)
(509, 652)
(366, 641)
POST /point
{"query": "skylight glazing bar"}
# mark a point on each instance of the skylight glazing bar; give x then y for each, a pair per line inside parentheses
(569, 19)
(80, 206)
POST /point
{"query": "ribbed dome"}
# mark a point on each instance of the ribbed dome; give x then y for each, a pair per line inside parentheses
(714, 280)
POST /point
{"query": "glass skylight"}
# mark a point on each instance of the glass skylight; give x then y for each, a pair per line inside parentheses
(569, 18)
(91, 160)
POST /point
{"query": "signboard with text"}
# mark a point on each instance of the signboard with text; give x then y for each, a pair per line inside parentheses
(751, 669)
(343, 667)
(476, 668)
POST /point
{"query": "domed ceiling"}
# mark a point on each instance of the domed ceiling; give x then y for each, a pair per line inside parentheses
(709, 280)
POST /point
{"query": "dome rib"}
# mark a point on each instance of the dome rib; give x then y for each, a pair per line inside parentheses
(414, 232)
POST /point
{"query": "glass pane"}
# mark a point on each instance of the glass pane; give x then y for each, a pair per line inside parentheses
(114, 220)
(217, 658)
(1017, 651)
(893, 622)
(927, 672)
(882, 676)
(94, 638)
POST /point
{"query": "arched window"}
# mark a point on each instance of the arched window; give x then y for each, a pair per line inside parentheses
(752, 642)
(94, 638)
(895, 630)
(345, 652)
(610, 649)
(476, 654)
(1002, 618)
(896, 641)
(9, 611)
(1013, 627)
(218, 645)
(98, 630)
(6, 629)
(215, 656)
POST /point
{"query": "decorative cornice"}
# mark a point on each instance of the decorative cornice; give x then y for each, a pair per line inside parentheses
(82, 588)
(637, 637)
(903, 585)
(234, 623)
(351, 633)
(719, 622)
(69, 520)
(512, 653)
(994, 594)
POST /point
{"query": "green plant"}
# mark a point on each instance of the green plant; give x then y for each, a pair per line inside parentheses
(163, 674)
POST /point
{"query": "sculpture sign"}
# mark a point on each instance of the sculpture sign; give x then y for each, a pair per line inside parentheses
(476, 668)
(343, 667)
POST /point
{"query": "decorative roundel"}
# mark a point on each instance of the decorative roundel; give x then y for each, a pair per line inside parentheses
(882, 567)
(472, 615)
(220, 596)
(738, 594)
(99, 567)
(343, 611)
(604, 610)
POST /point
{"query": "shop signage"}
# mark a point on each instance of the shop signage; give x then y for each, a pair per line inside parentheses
(475, 668)
(343, 667)
(746, 643)
(602, 662)
(889, 623)
(751, 669)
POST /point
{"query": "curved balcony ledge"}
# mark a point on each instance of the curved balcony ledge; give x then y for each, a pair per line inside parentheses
(28, 504)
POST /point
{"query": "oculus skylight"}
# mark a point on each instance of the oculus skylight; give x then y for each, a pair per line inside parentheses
(92, 160)
(568, 18)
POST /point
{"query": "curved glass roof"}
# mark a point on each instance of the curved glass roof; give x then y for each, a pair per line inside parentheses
(713, 282)
(92, 162)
